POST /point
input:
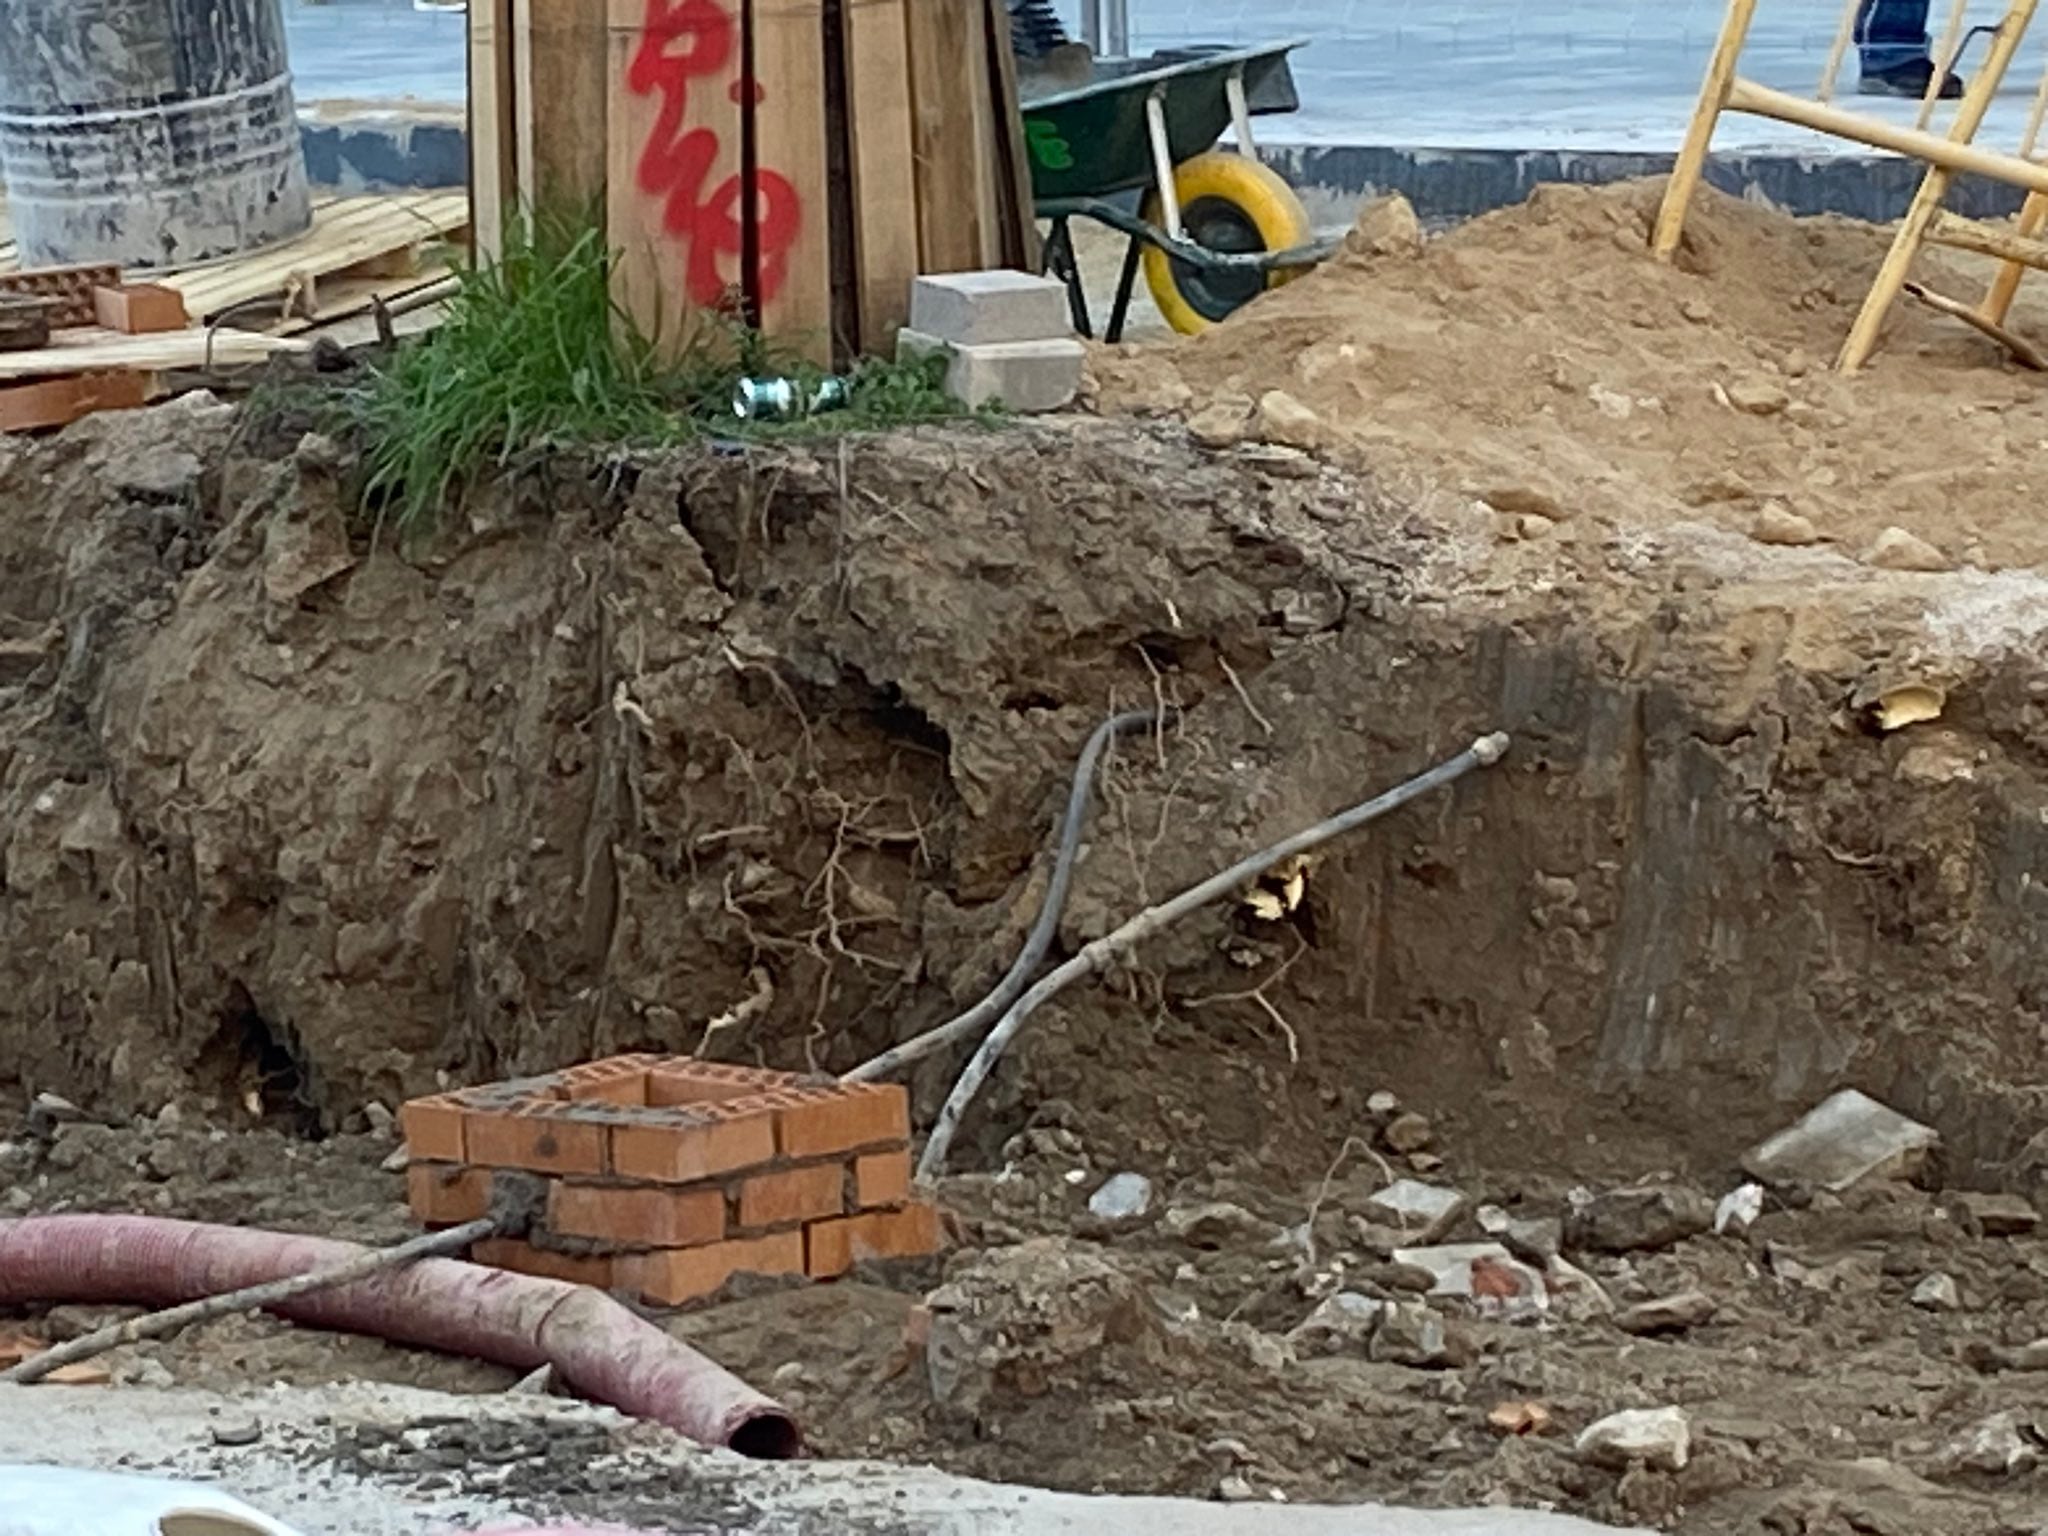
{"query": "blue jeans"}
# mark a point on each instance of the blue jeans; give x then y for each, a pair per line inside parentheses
(1892, 32)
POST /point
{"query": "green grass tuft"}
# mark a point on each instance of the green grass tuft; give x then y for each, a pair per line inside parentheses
(533, 354)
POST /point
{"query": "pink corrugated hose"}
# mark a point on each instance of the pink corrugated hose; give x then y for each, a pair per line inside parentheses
(596, 1345)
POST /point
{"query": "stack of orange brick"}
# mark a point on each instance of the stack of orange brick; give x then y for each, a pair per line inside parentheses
(666, 1176)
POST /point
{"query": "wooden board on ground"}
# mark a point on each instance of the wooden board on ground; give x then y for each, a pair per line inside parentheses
(672, 185)
(493, 126)
(883, 174)
(345, 234)
(563, 84)
(54, 402)
(943, 72)
(792, 290)
(95, 350)
(1013, 158)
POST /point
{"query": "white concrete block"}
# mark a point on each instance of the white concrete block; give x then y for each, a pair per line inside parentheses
(979, 309)
(1024, 376)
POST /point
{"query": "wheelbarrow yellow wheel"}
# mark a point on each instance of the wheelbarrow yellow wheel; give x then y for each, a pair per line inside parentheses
(1228, 202)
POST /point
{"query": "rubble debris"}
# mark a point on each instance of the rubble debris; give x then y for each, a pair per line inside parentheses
(1779, 524)
(1999, 1215)
(1408, 1132)
(237, 1432)
(1284, 420)
(1534, 1240)
(1640, 1218)
(1991, 1358)
(1224, 424)
(1841, 1141)
(1520, 1418)
(1906, 704)
(2001, 1445)
(1739, 1209)
(1756, 395)
(1416, 1335)
(1451, 1265)
(1895, 549)
(1424, 1211)
(1382, 1105)
(1216, 1224)
(1342, 1324)
(1675, 1313)
(1658, 1438)
(1937, 1293)
(1121, 1197)
(1385, 226)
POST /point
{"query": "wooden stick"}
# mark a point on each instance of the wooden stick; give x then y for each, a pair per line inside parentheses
(2006, 286)
(1898, 262)
(1844, 35)
(155, 1324)
(1699, 136)
(1955, 155)
(1096, 956)
(1959, 233)
(1946, 59)
(2023, 351)
(2036, 116)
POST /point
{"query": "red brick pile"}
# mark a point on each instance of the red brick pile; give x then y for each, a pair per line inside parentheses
(665, 1176)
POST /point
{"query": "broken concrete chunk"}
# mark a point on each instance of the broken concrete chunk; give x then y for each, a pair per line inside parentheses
(1122, 1197)
(1659, 1438)
(1424, 1212)
(1414, 1335)
(1739, 1209)
(1840, 1142)
(1341, 1324)
(2001, 1445)
(2000, 1215)
(1534, 1240)
(1667, 1314)
(1641, 1217)
(1937, 1293)
(1449, 1265)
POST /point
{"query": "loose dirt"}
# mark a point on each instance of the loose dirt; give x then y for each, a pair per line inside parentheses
(755, 751)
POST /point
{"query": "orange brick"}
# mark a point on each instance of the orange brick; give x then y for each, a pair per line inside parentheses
(433, 1129)
(834, 1247)
(630, 1217)
(881, 1178)
(445, 1195)
(677, 1275)
(137, 309)
(616, 1080)
(525, 1259)
(792, 1194)
(683, 1146)
(817, 1122)
(543, 1138)
(684, 1080)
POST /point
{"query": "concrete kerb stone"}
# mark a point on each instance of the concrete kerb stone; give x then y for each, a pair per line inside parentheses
(1023, 376)
(977, 309)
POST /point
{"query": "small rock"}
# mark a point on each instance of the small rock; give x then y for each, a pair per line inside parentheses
(1937, 1293)
(1739, 1209)
(396, 1162)
(1450, 1265)
(46, 1111)
(1991, 1358)
(1122, 1197)
(1386, 226)
(1756, 395)
(1492, 1220)
(1698, 311)
(1408, 1133)
(169, 1118)
(1779, 524)
(1235, 1489)
(1659, 1438)
(1415, 1335)
(1285, 420)
(237, 1432)
(1217, 1224)
(1425, 1163)
(1382, 1105)
(540, 1381)
(381, 1120)
(1222, 425)
(2001, 1445)
(146, 1372)
(1897, 550)
(157, 474)
(1341, 1324)
(1424, 1212)
(1667, 1314)
(2000, 1215)
(1524, 1418)
(1517, 500)
(1841, 1141)
(1641, 1218)
(1534, 1240)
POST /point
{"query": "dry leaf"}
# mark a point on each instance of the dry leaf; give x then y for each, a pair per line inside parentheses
(1915, 703)
(82, 1373)
(17, 1347)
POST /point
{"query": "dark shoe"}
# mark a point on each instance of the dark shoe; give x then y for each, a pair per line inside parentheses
(1908, 79)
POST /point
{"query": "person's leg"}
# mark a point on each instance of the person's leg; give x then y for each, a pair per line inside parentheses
(1892, 32)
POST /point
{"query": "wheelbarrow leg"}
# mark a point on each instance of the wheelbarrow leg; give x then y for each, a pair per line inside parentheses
(1061, 262)
(1125, 284)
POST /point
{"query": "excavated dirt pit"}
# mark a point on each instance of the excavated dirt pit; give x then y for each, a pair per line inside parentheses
(756, 752)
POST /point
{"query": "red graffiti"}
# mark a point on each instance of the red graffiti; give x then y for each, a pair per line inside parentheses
(682, 41)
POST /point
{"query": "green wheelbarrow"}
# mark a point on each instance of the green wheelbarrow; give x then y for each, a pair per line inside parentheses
(1213, 229)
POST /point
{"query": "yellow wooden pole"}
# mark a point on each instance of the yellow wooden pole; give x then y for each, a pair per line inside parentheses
(1699, 135)
(1898, 262)
(1945, 61)
(1844, 35)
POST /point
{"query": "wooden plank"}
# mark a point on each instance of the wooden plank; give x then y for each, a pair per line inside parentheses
(672, 188)
(344, 234)
(60, 401)
(791, 290)
(562, 82)
(1020, 205)
(884, 178)
(988, 178)
(81, 351)
(493, 139)
(942, 128)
